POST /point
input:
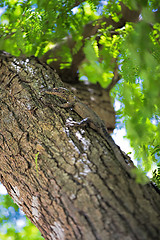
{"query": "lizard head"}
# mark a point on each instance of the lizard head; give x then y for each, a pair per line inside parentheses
(61, 92)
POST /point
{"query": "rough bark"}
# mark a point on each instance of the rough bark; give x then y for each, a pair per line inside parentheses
(80, 190)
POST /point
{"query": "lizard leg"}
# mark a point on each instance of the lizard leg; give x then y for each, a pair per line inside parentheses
(65, 105)
(82, 123)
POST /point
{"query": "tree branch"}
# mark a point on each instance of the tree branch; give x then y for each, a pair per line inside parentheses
(89, 30)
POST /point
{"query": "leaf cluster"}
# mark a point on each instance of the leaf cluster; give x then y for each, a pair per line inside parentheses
(27, 27)
(9, 215)
(140, 91)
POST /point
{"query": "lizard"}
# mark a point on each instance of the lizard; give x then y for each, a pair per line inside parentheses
(88, 116)
(86, 113)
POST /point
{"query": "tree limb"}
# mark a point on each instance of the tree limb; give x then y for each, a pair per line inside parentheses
(89, 30)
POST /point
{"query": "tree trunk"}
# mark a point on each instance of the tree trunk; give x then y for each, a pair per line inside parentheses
(68, 181)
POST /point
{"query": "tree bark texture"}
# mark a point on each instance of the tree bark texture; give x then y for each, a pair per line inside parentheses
(67, 181)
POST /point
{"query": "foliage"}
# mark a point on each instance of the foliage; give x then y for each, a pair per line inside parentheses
(156, 172)
(9, 216)
(32, 27)
(27, 27)
(36, 162)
